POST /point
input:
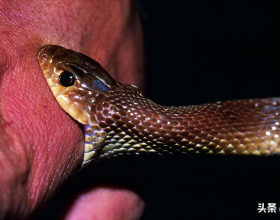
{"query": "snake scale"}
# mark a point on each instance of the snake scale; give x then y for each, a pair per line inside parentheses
(119, 120)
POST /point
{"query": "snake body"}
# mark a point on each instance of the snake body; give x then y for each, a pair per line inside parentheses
(119, 120)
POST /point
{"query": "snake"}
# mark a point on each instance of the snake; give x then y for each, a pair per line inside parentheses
(119, 120)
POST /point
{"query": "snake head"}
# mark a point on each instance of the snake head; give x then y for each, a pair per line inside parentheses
(75, 80)
(89, 94)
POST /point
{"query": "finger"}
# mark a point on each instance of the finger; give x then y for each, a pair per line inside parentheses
(109, 203)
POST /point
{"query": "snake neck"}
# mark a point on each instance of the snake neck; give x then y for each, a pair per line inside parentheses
(125, 122)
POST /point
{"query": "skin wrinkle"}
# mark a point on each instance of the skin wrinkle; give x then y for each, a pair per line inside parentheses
(3, 65)
(56, 176)
(8, 124)
(6, 160)
(17, 98)
(22, 129)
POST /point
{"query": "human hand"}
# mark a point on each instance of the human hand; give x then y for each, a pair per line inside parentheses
(41, 146)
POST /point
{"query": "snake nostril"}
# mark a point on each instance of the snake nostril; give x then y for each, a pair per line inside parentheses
(44, 57)
(66, 79)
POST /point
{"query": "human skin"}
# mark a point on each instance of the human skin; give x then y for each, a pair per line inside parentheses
(40, 145)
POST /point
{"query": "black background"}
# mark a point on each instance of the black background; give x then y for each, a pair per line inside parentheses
(199, 52)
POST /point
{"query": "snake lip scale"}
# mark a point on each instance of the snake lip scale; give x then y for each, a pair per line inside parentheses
(119, 120)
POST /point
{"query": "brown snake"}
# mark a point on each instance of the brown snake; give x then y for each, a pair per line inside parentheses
(119, 120)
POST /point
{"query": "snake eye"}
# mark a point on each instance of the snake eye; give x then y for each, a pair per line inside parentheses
(66, 79)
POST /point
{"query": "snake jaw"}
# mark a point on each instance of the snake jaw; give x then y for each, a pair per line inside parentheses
(94, 138)
(62, 93)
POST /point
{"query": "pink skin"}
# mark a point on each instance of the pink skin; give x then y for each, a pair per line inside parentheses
(40, 145)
